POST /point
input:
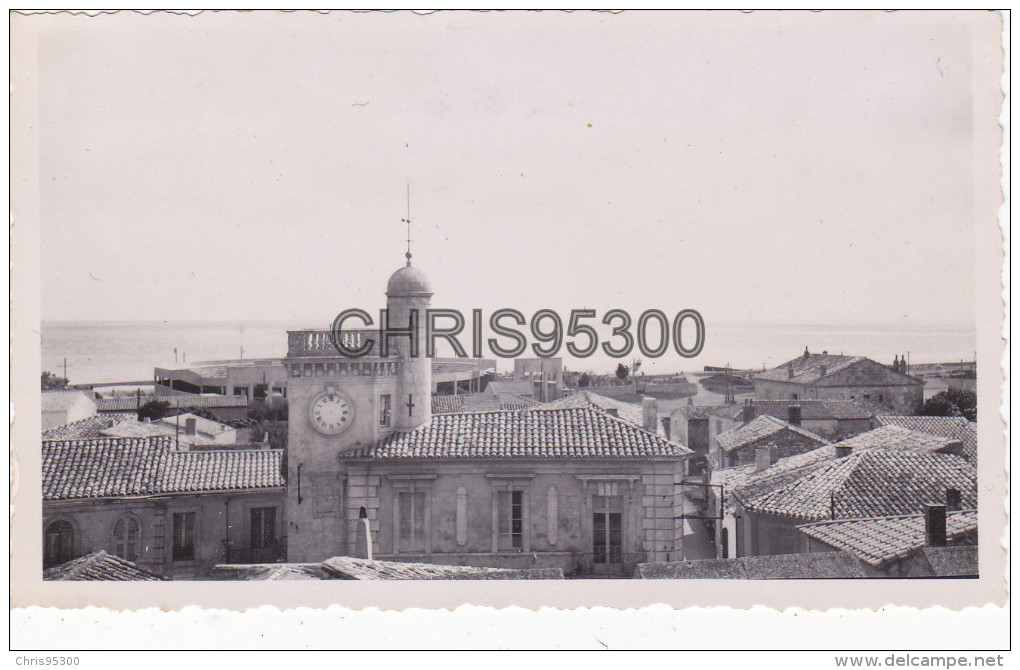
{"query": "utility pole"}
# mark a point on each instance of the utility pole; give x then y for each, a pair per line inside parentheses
(65, 367)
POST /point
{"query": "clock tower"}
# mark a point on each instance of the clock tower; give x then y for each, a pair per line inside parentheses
(337, 403)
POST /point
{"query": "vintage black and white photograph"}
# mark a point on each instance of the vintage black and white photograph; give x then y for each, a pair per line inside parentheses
(663, 300)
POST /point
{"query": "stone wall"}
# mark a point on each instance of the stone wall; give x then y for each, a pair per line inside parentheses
(461, 497)
(220, 518)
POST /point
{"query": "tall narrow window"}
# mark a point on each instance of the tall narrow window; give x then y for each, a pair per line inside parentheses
(58, 543)
(607, 529)
(385, 410)
(510, 516)
(125, 538)
(411, 521)
(184, 536)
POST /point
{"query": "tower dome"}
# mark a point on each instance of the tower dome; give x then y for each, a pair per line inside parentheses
(408, 280)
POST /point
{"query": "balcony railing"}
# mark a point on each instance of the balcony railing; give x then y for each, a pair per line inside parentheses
(274, 553)
(320, 342)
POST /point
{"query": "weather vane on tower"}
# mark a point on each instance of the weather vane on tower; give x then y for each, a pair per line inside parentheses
(408, 222)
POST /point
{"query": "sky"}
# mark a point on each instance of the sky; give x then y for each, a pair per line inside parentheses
(779, 167)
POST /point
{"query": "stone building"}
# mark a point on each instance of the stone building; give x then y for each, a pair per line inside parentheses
(744, 444)
(577, 489)
(171, 513)
(836, 377)
(573, 488)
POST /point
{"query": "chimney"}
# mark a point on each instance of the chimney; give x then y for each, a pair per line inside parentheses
(762, 458)
(773, 454)
(935, 525)
(954, 500)
(363, 546)
(666, 427)
(789, 371)
(538, 389)
(650, 414)
(748, 412)
(896, 363)
(794, 417)
(823, 370)
(191, 426)
(843, 451)
(806, 354)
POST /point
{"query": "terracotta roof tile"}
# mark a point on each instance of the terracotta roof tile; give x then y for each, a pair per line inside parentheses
(883, 540)
(116, 467)
(898, 438)
(872, 482)
(100, 566)
(86, 428)
(447, 404)
(582, 399)
(761, 428)
(558, 433)
(952, 427)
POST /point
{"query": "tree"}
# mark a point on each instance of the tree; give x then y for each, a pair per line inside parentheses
(951, 402)
(154, 410)
(583, 381)
(51, 382)
(622, 371)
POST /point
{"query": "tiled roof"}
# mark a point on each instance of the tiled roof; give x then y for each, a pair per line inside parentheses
(86, 428)
(514, 402)
(228, 470)
(479, 402)
(810, 410)
(899, 439)
(758, 429)
(346, 567)
(953, 427)
(807, 368)
(447, 404)
(100, 566)
(127, 404)
(559, 433)
(116, 467)
(624, 410)
(819, 565)
(61, 401)
(884, 540)
(873, 482)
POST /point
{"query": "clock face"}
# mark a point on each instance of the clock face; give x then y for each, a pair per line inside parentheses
(331, 413)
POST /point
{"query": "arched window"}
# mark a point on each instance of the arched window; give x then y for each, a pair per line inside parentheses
(125, 538)
(58, 543)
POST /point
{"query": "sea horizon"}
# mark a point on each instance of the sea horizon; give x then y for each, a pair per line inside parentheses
(99, 351)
